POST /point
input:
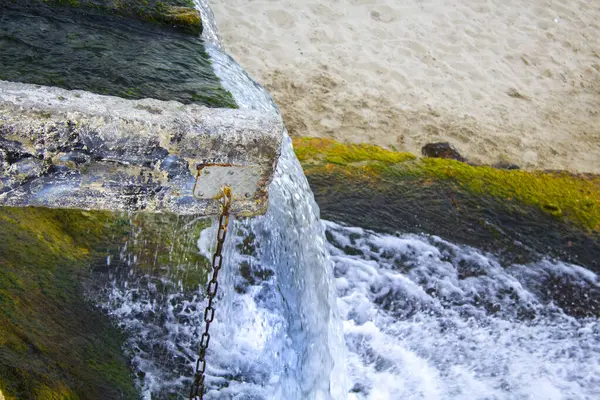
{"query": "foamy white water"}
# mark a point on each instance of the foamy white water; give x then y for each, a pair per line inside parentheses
(426, 319)
(276, 334)
(422, 319)
(419, 318)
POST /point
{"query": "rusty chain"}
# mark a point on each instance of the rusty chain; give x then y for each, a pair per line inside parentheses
(197, 391)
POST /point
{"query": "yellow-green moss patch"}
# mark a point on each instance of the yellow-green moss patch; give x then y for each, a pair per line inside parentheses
(50, 336)
(569, 197)
(180, 14)
(342, 154)
(575, 198)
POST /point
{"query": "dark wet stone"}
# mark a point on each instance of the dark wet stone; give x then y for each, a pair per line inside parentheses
(506, 165)
(516, 233)
(442, 150)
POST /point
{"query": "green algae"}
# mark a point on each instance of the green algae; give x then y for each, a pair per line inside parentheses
(343, 154)
(54, 344)
(179, 14)
(107, 54)
(571, 198)
(519, 216)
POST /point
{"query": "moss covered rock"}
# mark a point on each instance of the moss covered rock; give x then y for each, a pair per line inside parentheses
(54, 344)
(507, 211)
(179, 14)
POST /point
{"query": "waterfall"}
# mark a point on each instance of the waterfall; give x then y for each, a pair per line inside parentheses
(292, 240)
(419, 318)
(277, 334)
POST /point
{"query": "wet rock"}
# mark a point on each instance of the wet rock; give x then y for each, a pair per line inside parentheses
(506, 165)
(67, 149)
(442, 150)
(81, 48)
(59, 346)
(515, 215)
(179, 14)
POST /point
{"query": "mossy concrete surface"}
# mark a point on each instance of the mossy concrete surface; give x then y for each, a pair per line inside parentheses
(574, 198)
(179, 14)
(105, 54)
(505, 211)
(54, 344)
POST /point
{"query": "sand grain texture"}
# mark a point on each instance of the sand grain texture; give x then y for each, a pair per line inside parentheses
(504, 80)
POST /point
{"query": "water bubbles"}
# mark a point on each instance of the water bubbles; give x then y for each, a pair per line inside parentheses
(455, 324)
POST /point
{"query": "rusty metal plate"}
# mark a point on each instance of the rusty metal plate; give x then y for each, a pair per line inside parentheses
(243, 181)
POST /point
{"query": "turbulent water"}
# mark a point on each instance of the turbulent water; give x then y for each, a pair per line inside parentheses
(316, 310)
(422, 318)
(276, 334)
(426, 319)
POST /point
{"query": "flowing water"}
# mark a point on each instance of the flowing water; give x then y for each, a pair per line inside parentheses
(105, 54)
(276, 334)
(426, 319)
(422, 318)
(316, 310)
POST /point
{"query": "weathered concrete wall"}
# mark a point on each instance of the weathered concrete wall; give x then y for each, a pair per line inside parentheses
(74, 149)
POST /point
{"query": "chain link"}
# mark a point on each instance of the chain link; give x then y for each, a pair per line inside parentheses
(197, 391)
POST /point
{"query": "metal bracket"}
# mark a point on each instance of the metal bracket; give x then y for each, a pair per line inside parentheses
(212, 178)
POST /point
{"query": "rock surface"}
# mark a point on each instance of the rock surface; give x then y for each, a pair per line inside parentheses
(514, 214)
(442, 150)
(73, 149)
(179, 14)
(54, 343)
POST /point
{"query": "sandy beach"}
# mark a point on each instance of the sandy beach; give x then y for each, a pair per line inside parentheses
(503, 80)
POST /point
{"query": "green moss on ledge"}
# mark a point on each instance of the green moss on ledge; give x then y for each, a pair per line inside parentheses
(179, 14)
(571, 198)
(333, 152)
(53, 343)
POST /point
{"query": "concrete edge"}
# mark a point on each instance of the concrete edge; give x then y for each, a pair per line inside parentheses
(43, 126)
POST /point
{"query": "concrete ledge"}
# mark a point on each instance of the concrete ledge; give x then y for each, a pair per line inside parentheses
(74, 149)
(178, 14)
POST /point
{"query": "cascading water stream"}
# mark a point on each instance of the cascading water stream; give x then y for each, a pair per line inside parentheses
(426, 319)
(276, 334)
(422, 318)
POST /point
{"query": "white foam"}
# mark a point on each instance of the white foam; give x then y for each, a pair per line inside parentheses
(440, 334)
(422, 319)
